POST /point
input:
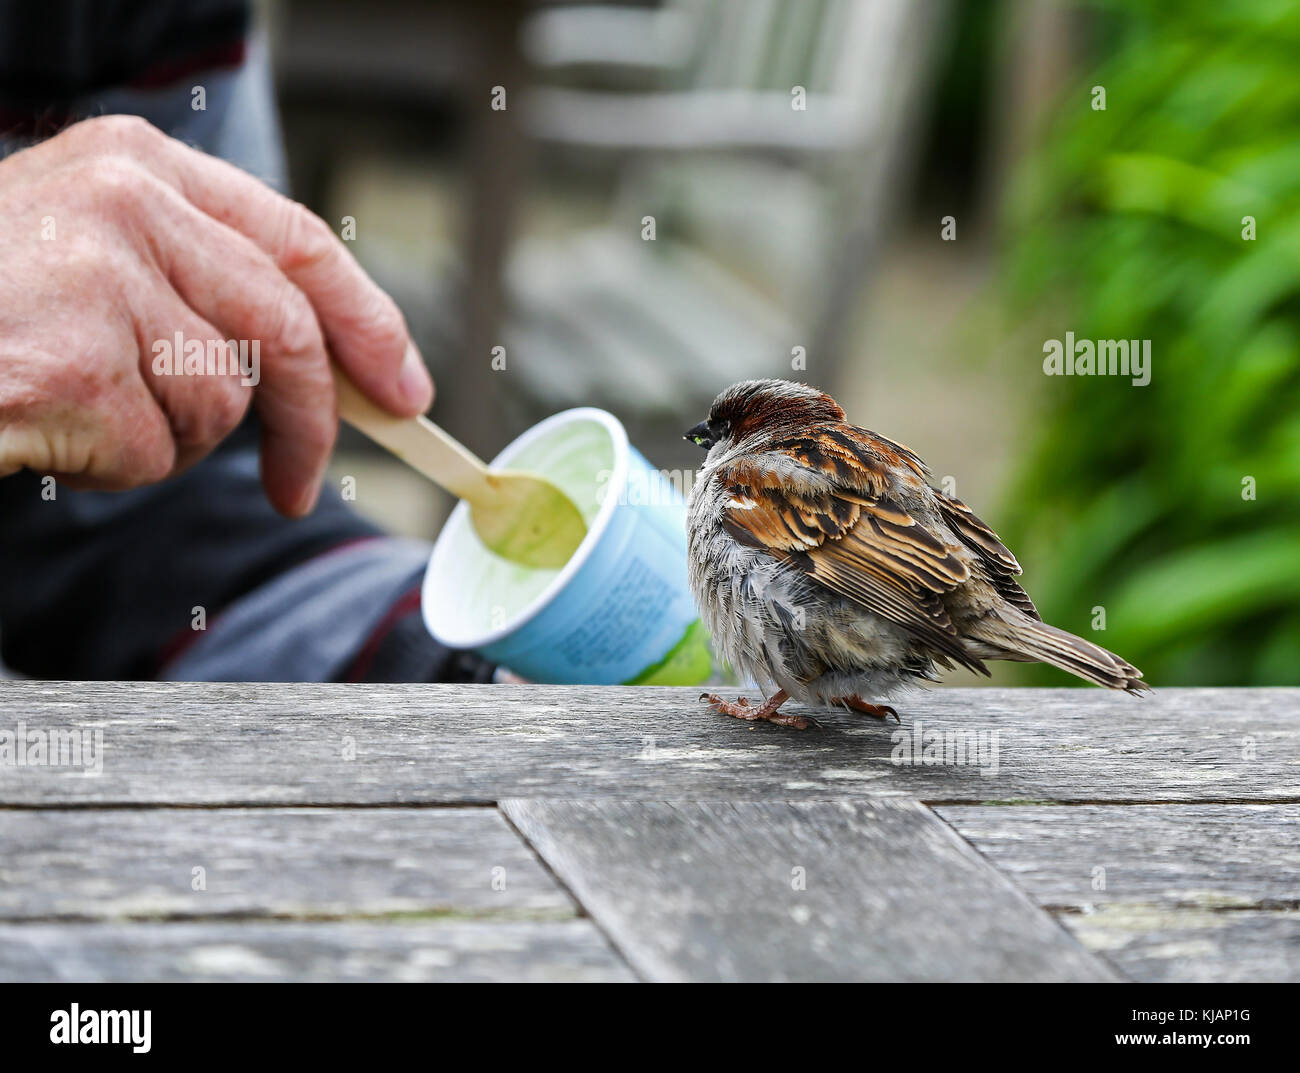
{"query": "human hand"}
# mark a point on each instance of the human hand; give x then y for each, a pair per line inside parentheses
(114, 238)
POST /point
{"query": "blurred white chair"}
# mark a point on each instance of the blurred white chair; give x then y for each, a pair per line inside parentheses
(767, 216)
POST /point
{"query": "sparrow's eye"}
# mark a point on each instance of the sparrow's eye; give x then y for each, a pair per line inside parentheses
(702, 435)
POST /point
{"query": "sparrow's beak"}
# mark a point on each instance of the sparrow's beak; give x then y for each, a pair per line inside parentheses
(701, 435)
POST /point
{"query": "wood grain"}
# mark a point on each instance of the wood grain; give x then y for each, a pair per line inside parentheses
(333, 829)
(437, 951)
(1195, 856)
(248, 744)
(145, 864)
(849, 889)
(1155, 945)
(1166, 892)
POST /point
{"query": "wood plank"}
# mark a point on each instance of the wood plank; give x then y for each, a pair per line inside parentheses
(710, 891)
(437, 951)
(140, 864)
(1155, 945)
(1166, 892)
(278, 743)
(1197, 856)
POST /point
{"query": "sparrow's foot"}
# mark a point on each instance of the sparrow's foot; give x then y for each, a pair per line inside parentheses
(880, 711)
(742, 709)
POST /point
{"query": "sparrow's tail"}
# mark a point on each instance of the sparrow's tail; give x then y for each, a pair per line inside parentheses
(1025, 638)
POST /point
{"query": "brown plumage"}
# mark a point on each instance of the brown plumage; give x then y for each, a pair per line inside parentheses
(798, 515)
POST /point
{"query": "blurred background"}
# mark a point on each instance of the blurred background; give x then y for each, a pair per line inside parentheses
(632, 205)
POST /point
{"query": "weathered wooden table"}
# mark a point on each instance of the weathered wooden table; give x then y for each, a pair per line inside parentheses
(547, 833)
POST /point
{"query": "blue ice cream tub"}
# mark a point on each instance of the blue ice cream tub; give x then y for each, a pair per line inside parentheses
(619, 611)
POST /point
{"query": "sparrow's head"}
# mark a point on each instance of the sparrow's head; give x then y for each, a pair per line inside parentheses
(763, 406)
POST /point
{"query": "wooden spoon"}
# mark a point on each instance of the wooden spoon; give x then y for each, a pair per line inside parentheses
(519, 516)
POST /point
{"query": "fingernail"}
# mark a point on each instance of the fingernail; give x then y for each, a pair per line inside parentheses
(414, 381)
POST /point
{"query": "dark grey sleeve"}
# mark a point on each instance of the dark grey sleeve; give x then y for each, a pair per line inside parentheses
(99, 585)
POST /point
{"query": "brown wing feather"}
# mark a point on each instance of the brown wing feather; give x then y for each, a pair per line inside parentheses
(998, 561)
(854, 540)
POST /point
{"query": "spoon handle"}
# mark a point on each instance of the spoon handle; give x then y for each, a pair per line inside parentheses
(418, 442)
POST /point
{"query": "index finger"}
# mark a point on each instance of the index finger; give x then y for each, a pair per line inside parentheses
(363, 327)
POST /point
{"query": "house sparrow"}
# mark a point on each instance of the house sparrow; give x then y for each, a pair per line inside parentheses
(829, 570)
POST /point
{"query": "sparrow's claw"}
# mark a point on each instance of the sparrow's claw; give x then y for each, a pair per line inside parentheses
(880, 711)
(796, 722)
(740, 708)
(727, 707)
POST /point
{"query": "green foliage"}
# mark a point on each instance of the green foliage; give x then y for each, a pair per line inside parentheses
(1128, 224)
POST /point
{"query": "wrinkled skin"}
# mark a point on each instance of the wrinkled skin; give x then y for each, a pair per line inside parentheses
(151, 238)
